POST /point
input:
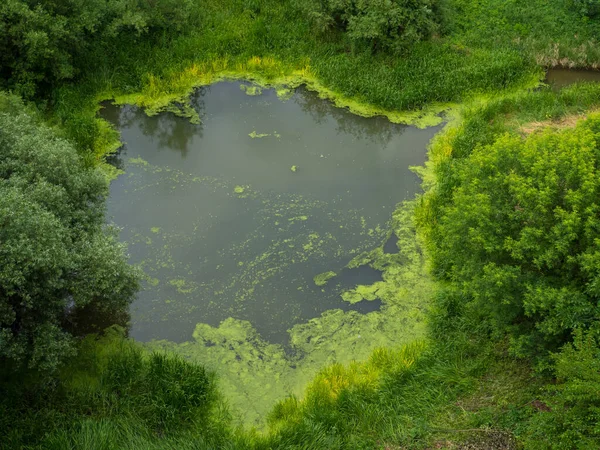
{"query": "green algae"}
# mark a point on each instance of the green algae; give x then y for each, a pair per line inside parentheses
(183, 286)
(172, 94)
(138, 161)
(255, 374)
(159, 94)
(362, 292)
(255, 135)
(323, 278)
(251, 90)
(292, 241)
(294, 168)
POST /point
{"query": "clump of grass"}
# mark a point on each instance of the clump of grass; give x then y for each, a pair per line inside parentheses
(114, 391)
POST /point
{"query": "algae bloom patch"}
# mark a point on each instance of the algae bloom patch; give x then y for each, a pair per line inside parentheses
(227, 227)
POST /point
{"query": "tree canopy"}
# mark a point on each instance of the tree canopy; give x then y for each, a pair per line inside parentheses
(393, 25)
(520, 237)
(44, 42)
(57, 254)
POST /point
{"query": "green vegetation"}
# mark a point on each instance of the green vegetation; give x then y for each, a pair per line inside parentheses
(323, 278)
(518, 168)
(114, 395)
(45, 43)
(61, 264)
(509, 221)
(519, 235)
(376, 25)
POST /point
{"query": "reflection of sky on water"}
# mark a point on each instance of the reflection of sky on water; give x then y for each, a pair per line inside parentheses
(222, 225)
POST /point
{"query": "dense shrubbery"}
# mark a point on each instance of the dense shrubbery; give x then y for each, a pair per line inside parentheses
(43, 42)
(573, 404)
(587, 8)
(392, 25)
(520, 235)
(513, 231)
(58, 257)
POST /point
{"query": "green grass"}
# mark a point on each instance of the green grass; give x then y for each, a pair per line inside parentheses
(112, 392)
(486, 48)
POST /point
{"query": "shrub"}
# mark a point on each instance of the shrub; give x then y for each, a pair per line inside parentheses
(392, 25)
(520, 235)
(587, 8)
(44, 42)
(573, 405)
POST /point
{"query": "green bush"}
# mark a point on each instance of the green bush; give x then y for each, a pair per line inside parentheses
(393, 25)
(587, 8)
(518, 235)
(571, 417)
(45, 42)
(113, 394)
(58, 257)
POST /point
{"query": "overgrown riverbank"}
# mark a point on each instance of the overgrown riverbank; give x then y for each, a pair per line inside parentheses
(511, 356)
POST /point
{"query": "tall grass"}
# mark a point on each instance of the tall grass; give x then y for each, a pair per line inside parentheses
(113, 393)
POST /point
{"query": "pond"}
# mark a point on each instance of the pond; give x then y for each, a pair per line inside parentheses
(249, 219)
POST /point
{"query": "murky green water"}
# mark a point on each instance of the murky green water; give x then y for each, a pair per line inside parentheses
(560, 78)
(233, 219)
(236, 216)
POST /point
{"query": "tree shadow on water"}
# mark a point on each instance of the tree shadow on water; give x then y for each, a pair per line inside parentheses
(378, 129)
(166, 129)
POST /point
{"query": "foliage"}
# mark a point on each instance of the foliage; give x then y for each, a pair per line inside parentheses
(58, 256)
(504, 181)
(573, 405)
(393, 25)
(112, 395)
(520, 235)
(44, 42)
(587, 8)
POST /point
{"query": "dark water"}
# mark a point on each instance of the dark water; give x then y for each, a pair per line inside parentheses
(227, 225)
(559, 78)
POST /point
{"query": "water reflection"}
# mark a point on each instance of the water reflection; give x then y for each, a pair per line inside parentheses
(560, 78)
(252, 205)
(377, 129)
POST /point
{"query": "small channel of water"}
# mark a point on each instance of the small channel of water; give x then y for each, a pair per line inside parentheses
(235, 216)
(560, 78)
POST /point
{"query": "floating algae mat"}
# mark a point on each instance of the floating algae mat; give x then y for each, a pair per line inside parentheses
(259, 231)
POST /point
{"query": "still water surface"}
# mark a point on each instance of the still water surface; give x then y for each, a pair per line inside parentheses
(560, 78)
(235, 216)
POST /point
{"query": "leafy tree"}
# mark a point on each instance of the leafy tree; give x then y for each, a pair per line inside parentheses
(57, 255)
(393, 25)
(520, 237)
(45, 41)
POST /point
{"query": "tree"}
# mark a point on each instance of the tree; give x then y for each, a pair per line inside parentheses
(392, 25)
(520, 237)
(43, 42)
(57, 254)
